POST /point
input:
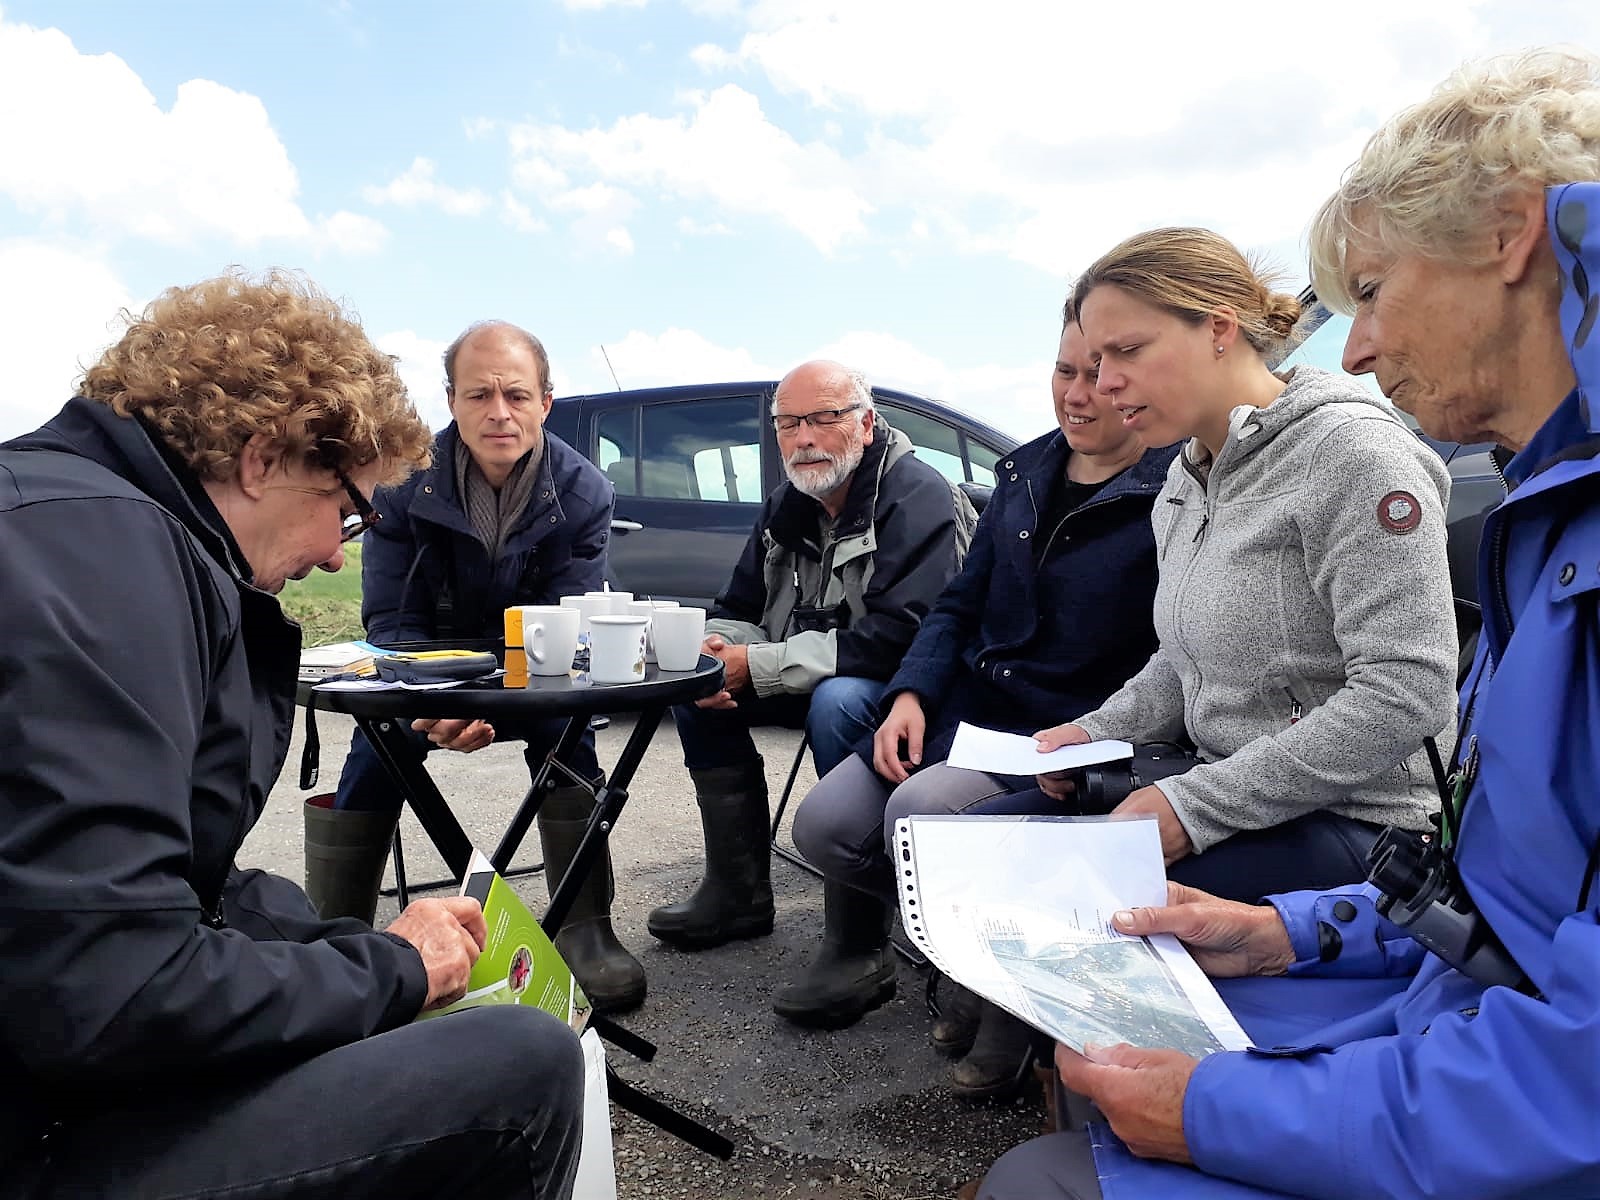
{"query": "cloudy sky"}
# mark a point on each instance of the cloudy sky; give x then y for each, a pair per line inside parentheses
(708, 189)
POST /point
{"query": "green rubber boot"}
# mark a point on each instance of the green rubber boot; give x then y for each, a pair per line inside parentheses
(345, 855)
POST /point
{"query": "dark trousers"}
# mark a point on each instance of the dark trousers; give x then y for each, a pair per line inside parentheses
(485, 1104)
(364, 784)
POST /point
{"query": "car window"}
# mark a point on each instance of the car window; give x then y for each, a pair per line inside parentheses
(617, 439)
(939, 445)
(701, 450)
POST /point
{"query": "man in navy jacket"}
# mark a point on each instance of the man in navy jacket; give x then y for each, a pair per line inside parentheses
(506, 515)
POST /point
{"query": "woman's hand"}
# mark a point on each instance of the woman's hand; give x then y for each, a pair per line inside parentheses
(906, 723)
(1227, 939)
(1058, 784)
(1139, 1091)
(1175, 843)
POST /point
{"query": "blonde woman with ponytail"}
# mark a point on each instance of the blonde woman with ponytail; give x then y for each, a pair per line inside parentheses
(1306, 626)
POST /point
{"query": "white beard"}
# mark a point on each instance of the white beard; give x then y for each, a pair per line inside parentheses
(819, 483)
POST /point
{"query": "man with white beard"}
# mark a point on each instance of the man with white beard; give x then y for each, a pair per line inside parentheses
(846, 559)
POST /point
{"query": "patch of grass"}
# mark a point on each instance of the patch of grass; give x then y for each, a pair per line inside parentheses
(328, 606)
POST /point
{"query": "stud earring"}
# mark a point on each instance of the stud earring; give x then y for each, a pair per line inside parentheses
(1219, 349)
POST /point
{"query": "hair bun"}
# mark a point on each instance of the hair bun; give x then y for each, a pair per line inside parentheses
(1281, 313)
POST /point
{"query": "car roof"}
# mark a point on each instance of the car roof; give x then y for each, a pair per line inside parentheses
(765, 387)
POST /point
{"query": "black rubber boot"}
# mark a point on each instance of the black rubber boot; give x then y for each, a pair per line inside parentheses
(345, 854)
(997, 1065)
(734, 900)
(853, 972)
(956, 1026)
(612, 978)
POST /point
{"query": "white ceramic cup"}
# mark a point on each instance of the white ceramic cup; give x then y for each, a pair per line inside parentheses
(647, 608)
(550, 637)
(610, 604)
(616, 649)
(678, 634)
(590, 605)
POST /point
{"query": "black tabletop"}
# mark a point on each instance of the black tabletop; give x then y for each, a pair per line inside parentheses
(545, 696)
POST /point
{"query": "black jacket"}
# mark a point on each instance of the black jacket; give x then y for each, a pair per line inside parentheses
(146, 696)
(425, 574)
(815, 601)
(1043, 623)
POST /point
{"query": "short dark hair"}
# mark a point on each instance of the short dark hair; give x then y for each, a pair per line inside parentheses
(534, 345)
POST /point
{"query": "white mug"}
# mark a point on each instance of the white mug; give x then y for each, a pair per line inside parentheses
(550, 637)
(616, 649)
(647, 608)
(590, 605)
(678, 634)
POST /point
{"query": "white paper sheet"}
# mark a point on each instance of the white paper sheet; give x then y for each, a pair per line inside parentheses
(388, 685)
(1018, 909)
(980, 749)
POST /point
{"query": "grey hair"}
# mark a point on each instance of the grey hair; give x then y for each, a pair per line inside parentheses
(516, 333)
(1431, 178)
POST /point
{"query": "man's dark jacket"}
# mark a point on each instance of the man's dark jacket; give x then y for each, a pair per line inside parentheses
(425, 574)
(1016, 645)
(146, 697)
(874, 573)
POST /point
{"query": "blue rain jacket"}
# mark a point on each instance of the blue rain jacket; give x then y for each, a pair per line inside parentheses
(1440, 1087)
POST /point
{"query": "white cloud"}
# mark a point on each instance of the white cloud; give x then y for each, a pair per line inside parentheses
(62, 303)
(673, 356)
(519, 216)
(349, 233)
(723, 151)
(1046, 132)
(418, 186)
(1015, 400)
(82, 138)
(421, 366)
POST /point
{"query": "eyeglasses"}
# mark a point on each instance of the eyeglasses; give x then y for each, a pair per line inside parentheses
(823, 418)
(364, 517)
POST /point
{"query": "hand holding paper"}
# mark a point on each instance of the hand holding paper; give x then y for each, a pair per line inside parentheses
(990, 750)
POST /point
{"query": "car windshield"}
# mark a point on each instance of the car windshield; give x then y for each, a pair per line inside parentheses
(1324, 348)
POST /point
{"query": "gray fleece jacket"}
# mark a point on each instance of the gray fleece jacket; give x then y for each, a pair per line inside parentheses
(1306, 625)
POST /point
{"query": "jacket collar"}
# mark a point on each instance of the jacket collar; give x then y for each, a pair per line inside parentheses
(133, 451)
(1050, 453)
(441, 502)
(1573, 212)
(797, 519)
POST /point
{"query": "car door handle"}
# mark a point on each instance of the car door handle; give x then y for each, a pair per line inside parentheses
(620, 526)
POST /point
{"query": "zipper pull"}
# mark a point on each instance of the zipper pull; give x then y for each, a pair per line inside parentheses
(1295, 711)
(1205, 519)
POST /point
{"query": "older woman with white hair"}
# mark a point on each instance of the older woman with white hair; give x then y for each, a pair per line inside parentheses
(1466, 244)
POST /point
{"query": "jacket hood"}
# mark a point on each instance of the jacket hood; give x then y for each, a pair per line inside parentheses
(1306, 390)
(133, 451)
(1573, 211)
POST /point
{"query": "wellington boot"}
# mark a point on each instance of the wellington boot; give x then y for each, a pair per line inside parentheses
(853, 972)
(612, 978)
(734, 900)
(997, 1065)
(345, 854)
(956, 1026)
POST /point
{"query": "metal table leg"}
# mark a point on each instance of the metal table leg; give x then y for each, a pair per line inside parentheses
(417, 789)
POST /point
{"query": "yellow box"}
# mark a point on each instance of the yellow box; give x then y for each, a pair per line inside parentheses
(516, 661)
(514, 681)
(513, 630)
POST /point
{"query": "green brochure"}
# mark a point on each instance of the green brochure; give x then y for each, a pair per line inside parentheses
(519, 965)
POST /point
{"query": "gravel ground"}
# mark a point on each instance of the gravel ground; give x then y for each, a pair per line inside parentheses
(858, 1114)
